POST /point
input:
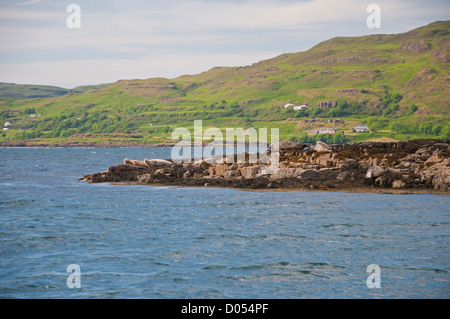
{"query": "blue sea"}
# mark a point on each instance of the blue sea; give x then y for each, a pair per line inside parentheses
(138, 241)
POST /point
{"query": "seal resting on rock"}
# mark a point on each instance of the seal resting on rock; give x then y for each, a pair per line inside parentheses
(157, 163)
(374, 171)
(133, 162)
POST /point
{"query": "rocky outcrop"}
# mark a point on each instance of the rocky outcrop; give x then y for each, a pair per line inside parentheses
(417, 47)
(343, 59)
(422, 165)
(321, 147)
(327, 104)
(289, 146)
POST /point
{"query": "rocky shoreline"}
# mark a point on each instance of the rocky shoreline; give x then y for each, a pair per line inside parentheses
(419, 166)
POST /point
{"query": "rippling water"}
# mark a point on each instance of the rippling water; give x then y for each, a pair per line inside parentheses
(168, 242)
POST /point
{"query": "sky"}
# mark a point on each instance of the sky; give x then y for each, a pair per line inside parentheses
(140, 39)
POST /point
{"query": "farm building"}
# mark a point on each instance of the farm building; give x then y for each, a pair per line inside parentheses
(361, 128)
(327, 131)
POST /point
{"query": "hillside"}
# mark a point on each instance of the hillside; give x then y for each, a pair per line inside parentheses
(396, 84)
(12, 91)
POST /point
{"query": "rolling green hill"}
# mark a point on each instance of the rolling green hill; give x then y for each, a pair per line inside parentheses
(396, 84)
(12, 91)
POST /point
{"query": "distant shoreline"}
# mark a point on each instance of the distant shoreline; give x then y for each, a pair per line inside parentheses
(82, 145)
(90, 145)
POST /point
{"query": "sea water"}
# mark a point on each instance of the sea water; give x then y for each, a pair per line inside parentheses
(139, 241)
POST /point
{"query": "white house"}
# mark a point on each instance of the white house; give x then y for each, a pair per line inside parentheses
(7, 124)
(301, 107)
(5, 128)
(361, 128)
(327, 131)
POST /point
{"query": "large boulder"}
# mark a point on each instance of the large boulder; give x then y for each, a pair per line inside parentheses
(437, 172)
(398, 184)
(219, 169)
(286, 173)
(321, 147)
(292, 146)
(250, 172)
(283, 173)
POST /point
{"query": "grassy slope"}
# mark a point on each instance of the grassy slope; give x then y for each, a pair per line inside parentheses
(363, 71)
(9, 91)
(12, 91)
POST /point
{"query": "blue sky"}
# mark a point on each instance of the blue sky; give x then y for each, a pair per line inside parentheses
(142, 39)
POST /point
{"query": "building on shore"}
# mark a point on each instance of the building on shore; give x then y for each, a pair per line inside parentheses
(327, 131)
(361, 128)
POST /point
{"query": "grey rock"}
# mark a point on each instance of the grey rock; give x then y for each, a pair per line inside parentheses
(321, 147)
